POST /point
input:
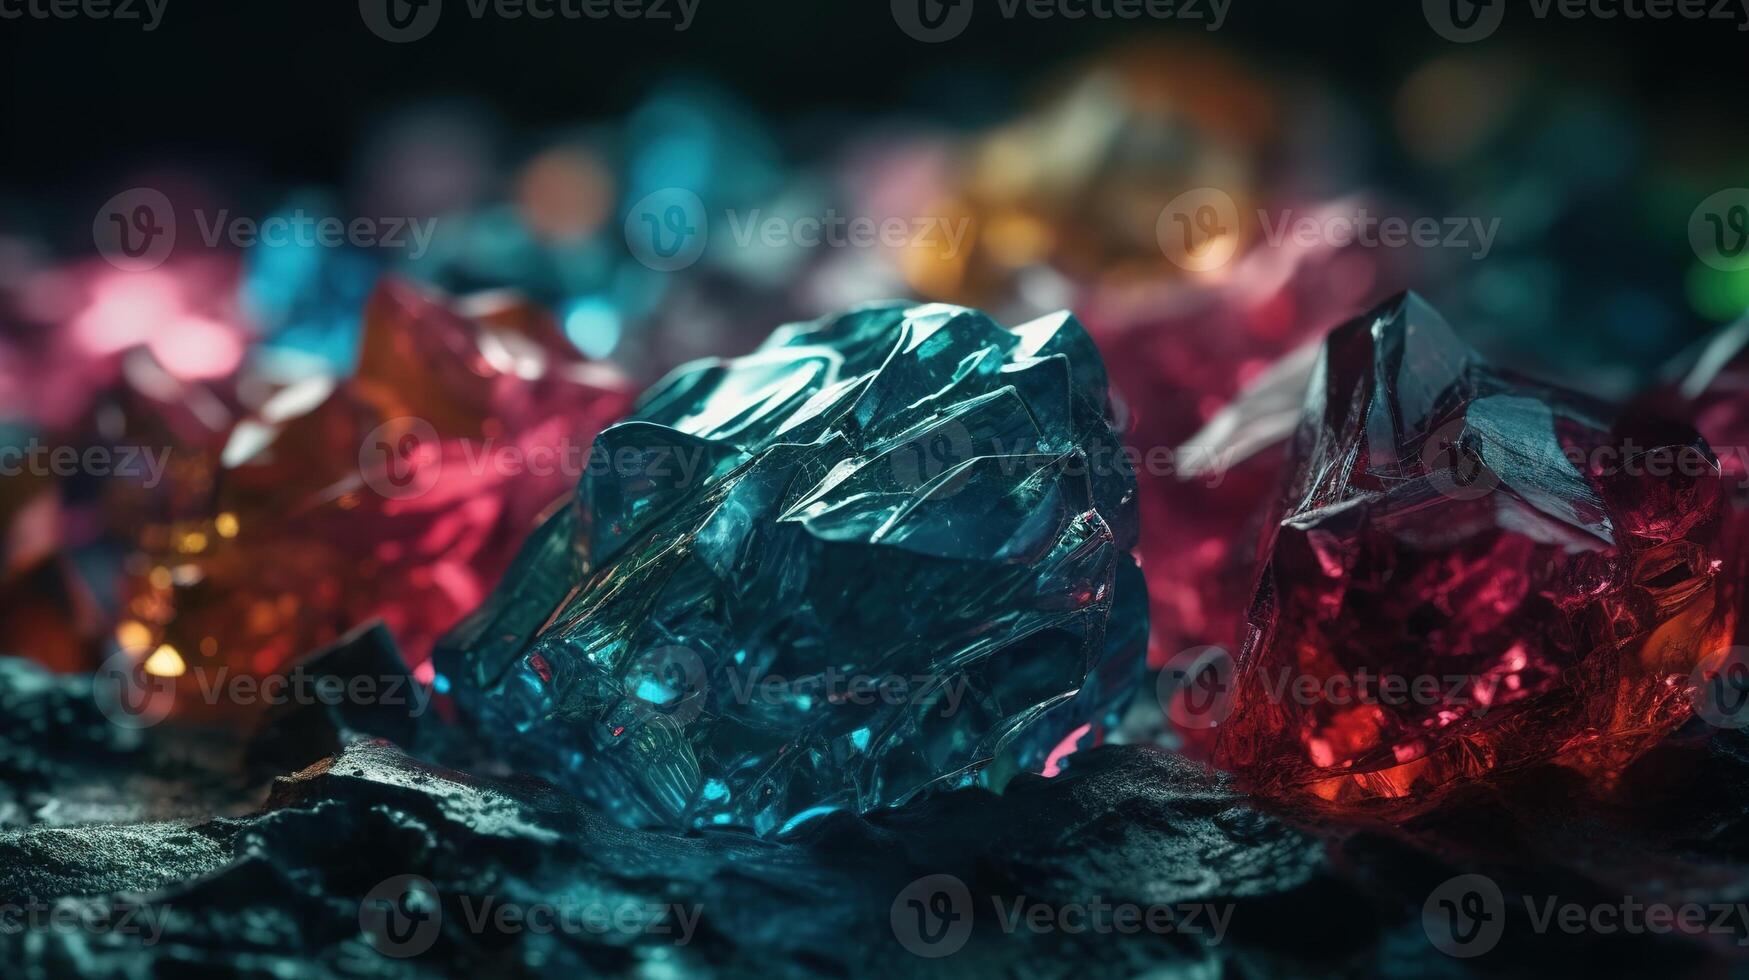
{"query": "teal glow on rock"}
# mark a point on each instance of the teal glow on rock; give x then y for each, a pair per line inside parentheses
(887, 552)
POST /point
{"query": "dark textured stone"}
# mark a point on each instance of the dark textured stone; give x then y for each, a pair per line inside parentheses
(62, 762)
(278, 891)
(298, 733)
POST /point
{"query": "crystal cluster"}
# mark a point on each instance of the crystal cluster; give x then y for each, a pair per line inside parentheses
(1065, 195)
(401, 492)
(886, 552)
(1470, 573)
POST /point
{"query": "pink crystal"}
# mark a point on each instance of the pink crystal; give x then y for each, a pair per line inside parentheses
(1468, 573)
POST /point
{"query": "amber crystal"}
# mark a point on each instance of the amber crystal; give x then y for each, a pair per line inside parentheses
(1468, 573)
(398, 493)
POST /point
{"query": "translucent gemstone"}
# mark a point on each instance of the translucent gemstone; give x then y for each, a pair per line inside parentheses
(300, 536)
(1712, 391)
(1710, 388)
(886, 552)
(1470, 573)
(1210, 377)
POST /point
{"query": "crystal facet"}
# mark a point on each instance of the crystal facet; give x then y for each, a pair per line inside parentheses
(886, 552)
(1211, 376)
(400, 492)
(1470, 573)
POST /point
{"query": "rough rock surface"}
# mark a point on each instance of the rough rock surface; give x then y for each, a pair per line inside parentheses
(287, 888)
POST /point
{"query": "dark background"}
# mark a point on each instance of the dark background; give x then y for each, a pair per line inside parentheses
(282, 90)
(263, 96)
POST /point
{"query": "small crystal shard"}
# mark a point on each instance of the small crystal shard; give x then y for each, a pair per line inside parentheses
(1470, 573)
(888, 551)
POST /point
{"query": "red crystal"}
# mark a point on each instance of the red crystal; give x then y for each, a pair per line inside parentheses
(1210, 376)
(1713, 394)
(1468, 573)
(1711, 390)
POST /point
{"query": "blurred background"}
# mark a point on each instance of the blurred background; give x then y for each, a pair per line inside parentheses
(566, 207)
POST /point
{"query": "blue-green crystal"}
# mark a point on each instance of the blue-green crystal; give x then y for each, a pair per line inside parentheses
(885, 553)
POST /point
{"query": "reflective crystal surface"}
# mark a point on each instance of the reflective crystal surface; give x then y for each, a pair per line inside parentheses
(400, 492)
(888, 551)
(1709, 387)
(1469, 573)
(1210, 377)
